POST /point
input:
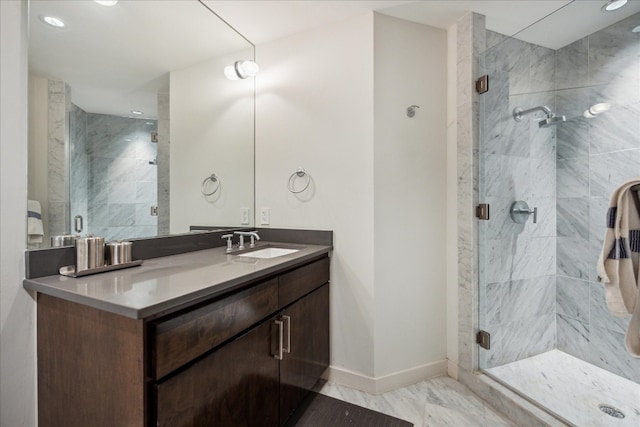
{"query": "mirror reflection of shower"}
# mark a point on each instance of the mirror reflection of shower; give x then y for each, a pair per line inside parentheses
(551, 120)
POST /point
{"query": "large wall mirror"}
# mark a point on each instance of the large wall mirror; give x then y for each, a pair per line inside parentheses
(134, 130)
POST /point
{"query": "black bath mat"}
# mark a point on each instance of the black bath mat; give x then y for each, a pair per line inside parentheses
(319, 410)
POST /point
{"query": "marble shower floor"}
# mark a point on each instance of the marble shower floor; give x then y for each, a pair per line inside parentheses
(437, 402)
(572, 389)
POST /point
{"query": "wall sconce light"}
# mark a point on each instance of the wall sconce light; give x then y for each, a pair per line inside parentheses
(241, 70)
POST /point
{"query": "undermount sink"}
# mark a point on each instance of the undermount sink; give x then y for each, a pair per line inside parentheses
(268, 253)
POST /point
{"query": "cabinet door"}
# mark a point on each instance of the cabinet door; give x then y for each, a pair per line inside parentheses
(309, 355)
(236, 385)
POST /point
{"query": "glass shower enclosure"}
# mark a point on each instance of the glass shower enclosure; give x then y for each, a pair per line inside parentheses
(548, 167)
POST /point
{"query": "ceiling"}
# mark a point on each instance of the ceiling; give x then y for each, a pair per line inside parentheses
(76, 54)
(266, 20)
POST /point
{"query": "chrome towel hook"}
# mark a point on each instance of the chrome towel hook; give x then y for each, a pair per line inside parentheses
(299, 173)
(211, 178)
(411, 110)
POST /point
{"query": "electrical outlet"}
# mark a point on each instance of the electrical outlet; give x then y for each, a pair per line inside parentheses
(244, 216)
(264, 216)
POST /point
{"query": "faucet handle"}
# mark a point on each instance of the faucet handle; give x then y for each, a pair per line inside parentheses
(229, 242)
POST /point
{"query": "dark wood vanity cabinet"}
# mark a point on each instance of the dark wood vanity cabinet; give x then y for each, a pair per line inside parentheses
(214, 364)
(244, 383)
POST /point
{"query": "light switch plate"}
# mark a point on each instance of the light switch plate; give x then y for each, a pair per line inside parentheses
(244, 216)
(264, 216)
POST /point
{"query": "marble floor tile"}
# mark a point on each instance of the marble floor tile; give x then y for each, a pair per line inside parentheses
(437, 402)
(573, 389)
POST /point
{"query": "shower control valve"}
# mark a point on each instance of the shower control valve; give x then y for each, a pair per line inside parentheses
(520, 212)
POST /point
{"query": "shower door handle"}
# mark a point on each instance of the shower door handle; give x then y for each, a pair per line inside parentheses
(520, 212)
(77, 223)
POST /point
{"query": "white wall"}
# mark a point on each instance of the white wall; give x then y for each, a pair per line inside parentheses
(211, 132)
(17, 309)
(314, 108)
(410, 195)
(38, 179)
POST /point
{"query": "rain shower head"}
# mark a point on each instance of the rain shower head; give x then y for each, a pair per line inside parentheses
(551, 119)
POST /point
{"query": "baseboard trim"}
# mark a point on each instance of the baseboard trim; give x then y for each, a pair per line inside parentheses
(388, 382)
(452, 369)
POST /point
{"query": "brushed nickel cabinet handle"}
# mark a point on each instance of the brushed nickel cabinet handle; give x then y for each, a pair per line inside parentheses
(280, 339)
(287, 319)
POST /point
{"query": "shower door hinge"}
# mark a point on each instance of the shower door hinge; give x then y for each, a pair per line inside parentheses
(482, 211)
(154, 211)
(484, 339)
(154, 136)
(482, 84)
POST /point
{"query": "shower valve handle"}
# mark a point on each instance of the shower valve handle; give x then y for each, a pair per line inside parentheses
(520, 212)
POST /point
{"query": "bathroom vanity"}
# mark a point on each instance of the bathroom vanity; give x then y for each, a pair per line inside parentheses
(197, 339)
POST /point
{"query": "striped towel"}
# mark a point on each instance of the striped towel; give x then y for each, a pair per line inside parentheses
(35, 230)
(619, 260)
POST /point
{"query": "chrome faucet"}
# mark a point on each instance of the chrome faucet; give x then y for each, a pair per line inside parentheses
(252, 234)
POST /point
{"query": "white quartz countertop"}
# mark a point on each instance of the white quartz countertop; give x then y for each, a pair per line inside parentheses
(162, 285)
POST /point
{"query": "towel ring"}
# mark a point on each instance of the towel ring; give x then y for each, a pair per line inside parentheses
(299, 173)
(213, 178)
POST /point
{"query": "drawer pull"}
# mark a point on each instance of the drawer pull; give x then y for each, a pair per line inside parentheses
(287, 319)
(280, 339)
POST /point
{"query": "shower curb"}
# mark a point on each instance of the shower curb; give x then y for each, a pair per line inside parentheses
(516, 409)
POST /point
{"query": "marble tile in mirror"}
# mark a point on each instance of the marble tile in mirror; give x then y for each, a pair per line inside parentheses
(129, 175)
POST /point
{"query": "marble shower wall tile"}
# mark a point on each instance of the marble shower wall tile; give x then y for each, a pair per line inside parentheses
(573, 257)
(573, 298)
(600, 316)
(521, 339)
(519, 258)
(518, 300)
(572, 65)
(518, 162)
(572, 177)
(614, 52)
(121, 179)
(606, 350)
(573, 336)
(608, 171)
(598, 207)
(594, 157)
(573, 217)
(79, 165)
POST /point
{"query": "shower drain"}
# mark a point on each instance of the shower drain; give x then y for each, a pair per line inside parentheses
(611, 411)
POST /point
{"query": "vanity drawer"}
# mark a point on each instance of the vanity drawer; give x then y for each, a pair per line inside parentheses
(180, 339)
(303, 280)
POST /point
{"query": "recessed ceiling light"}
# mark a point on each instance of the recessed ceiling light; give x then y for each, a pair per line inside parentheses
(106, 2)
(636, 29)
(136, 112)
(50, 20)
(612, 5)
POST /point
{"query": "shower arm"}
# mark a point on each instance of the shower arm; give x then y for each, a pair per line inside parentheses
(519, 112)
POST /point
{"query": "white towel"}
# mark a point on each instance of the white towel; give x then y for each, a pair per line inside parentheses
(619, 260)
(35, 230)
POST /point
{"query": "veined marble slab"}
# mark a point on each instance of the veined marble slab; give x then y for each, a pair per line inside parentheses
(573, 389)
(440, 402)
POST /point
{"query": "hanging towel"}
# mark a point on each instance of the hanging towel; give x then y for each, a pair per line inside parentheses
(35, 230)
(619, 260)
